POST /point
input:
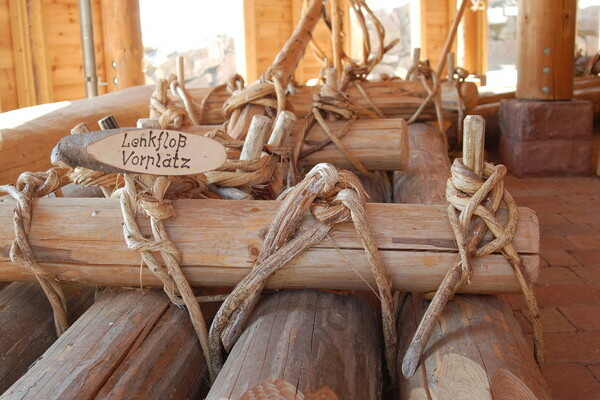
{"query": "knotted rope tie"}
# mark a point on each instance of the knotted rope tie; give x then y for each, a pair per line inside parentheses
(461, 211)
(167, 113)
(431, 83)
(460, 75)
(175, 284)
(180, 92)
(469, 197)
(28, 186)
(333, 197)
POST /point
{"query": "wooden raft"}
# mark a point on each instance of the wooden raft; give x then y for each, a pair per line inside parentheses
(477, 349)
(82, 240)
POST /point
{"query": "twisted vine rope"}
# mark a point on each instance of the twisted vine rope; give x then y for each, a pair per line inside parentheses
(30, 185)
(333, 196)
(469, 197)
(151, 201)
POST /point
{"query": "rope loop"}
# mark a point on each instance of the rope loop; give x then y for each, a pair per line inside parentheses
(30, 185)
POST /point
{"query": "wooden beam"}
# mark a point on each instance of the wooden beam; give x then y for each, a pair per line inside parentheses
(475, 41)
(123, 49)
(219, 241)
(546, 31)
(250, 35)
(128, 345)
(297, 341)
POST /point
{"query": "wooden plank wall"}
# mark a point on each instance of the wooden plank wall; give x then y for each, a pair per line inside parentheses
(436, 20)
(269, 23)
(40, 51)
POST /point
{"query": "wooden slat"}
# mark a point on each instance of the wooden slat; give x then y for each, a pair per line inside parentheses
(22, 53)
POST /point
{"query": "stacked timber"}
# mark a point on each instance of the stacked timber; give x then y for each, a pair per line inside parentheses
(477, 349)
(27, 326)
(128, 345)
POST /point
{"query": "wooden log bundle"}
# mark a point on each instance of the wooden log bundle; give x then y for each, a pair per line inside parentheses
(477, 349)
(27, 325)
(26, 143)
(128, 345)
(306, 344)
(82, 240)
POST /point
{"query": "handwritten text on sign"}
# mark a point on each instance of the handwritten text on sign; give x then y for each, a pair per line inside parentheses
(159, 152)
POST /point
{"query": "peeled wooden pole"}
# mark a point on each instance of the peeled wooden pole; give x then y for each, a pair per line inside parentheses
(28, 135)
(305, 343)
(219, 241)
(477, 349)
(128, 345)
(27, 325)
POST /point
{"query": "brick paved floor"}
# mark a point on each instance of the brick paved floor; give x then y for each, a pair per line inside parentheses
(568, 288)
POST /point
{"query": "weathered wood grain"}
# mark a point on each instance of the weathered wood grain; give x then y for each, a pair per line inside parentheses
(307, 342)
(27, 325)
(81, 240)
(477, 349)
(128, 345)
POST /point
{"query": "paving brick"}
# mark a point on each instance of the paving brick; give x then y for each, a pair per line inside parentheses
(527, 120)
(595, 369)
(571, 382)
(551, 318)
(587, 257)
(555, 243)
(559, 295)
(567, 229)
(575, 347)
(585, 242)
(551, 218)
(590, 274)
(588, 216)
(584, 316)
(558, 276)
(558, 258)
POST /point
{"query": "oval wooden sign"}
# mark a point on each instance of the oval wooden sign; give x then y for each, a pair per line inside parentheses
(158, 152)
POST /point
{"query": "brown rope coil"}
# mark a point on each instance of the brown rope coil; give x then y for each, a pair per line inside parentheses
(28, 186)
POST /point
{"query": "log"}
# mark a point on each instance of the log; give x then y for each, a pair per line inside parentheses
(468, 90)
(27, 325)
(379, 144)
(476, 350)
(299, 343)
(128, 345)
(82, 240)
(26, 141)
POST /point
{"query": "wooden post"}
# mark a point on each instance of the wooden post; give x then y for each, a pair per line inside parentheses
(477, 346)
(123, 50)
(546, 32)
(128, 345)
(306, 343)
(451, 36)
(27, 325)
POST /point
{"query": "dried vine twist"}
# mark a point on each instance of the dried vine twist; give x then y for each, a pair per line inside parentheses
(470, 197)
(30, 185)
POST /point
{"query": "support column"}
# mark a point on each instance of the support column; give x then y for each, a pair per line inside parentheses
(544, 131)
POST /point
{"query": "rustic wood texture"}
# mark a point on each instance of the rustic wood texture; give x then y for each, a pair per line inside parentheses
(546, 49)
(27, 325)
(477, 349)
(128, 345)
(219, 241)
(307, 342)
(469, 93)
(379, 144)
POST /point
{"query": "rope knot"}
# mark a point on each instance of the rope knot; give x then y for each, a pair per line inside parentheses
(154, 208)
(40, 183)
